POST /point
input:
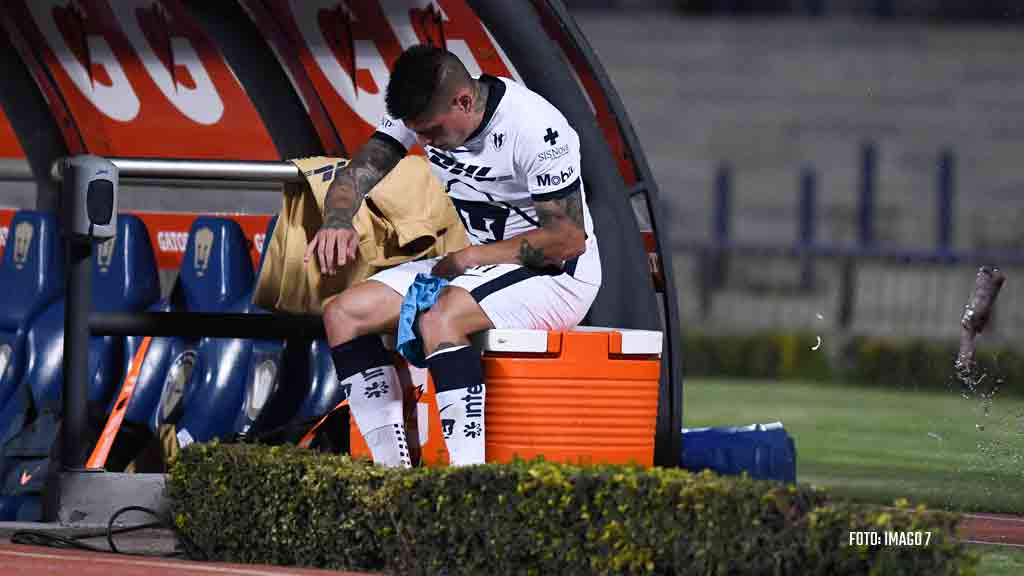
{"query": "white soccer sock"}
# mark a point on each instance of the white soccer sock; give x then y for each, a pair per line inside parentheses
(375, 401)
(458, 378)
(462, 422)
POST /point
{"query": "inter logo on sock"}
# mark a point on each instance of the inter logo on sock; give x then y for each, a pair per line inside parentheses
(474, 401)
(376, 383)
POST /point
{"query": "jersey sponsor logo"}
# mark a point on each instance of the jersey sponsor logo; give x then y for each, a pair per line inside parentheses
(483, 221)
(478, 173)
(473, 401)
(554, 153)
(498, 139)
(447, 424)
(549, 179)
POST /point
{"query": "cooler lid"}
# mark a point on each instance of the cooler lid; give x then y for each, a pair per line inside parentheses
(639, 342)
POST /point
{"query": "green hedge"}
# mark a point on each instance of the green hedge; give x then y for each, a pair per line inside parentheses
(890, 362)
(283, 505)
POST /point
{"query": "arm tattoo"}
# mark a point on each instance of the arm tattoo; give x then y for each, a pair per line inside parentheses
(531, 257)
(552, 214)
(369, 166)
(567, 210)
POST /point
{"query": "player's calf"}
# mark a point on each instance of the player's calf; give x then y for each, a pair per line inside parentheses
(366, 368)
(461, 394)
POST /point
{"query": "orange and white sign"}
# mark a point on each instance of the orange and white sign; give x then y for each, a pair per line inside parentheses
(168, 233)
(141, 78)
(348, 48)
(9, 145)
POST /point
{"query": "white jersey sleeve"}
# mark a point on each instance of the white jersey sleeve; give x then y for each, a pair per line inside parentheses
(398, 130)
(548, 153)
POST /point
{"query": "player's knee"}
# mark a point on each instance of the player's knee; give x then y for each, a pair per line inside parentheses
(345, 318)
(442, 318)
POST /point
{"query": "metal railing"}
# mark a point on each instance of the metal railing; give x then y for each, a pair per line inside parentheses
(80, 324)
(227, 170)
(878, 292)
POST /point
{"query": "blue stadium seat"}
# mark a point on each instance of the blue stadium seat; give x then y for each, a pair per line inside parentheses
(216, 270)
(325, 392)
(32, 276)
(124, 280)
(197, 384)
(216, 276)
(264, 400)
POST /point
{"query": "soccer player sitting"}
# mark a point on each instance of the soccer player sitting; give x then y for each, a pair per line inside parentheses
(511, 164)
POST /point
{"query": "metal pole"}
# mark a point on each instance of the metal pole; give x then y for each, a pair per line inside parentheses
(722, 216)
(15, 169)
(76, 354)
(177, 169)
(212, 325)
(869, 162)
(945, 184)
(807, 214)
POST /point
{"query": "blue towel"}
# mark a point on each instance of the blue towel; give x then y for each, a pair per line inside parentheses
(420, 297)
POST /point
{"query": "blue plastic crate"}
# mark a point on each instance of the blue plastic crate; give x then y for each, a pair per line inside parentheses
(764, 451)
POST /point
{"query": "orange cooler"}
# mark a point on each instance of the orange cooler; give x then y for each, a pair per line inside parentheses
(585, 396)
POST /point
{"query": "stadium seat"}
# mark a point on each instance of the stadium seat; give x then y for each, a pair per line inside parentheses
(216, 276)
(32, 276)
(204, 387)
(124, 279)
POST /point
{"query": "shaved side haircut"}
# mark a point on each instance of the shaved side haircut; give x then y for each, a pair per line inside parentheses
(423, 80)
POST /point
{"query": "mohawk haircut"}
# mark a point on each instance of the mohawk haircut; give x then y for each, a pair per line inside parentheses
(422, 73)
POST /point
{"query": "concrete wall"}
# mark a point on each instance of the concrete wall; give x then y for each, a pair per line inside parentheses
(772, 95)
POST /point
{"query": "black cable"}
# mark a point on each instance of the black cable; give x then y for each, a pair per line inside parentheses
(111, 531)
(43, 538)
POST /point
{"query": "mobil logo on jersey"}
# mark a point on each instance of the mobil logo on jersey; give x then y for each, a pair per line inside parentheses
(556, 179)
(141, 78)
(348, 47)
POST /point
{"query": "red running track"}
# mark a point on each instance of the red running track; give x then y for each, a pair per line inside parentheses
(992, 529)
(18, 560)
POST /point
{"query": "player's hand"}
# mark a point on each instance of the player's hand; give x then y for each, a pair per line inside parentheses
(454, 264)
(333, 248)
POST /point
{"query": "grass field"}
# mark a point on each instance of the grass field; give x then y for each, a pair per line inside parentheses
(999, 560)
(876, 445)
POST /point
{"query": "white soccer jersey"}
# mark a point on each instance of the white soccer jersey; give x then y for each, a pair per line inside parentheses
(523, 151)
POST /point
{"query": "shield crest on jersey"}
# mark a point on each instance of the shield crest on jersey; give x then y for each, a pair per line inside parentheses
(484, 221)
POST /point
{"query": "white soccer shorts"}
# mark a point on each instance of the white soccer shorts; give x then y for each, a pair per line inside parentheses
(512, 296)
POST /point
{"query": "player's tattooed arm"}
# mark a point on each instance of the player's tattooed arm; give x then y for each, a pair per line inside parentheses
(562, 220)
(368, 167)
